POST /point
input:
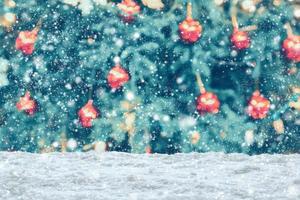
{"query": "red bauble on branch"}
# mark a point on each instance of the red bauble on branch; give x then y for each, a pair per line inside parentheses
(129, 8)
(240, 39)
(190, 30)
(117, 77)
(258, 106)
(26, 40)
(27, 104)
(291, 45)
(148, 150)
(207, 102)
(87, 113)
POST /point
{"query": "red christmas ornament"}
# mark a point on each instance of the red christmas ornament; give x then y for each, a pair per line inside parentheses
(117, 77)
(258, 106)
(87, 113)
(208, 102)
(291, 47)
(129, 8)
(26, 40)
(27, 104)
(240, 39)
(148, 150)
(190, 30)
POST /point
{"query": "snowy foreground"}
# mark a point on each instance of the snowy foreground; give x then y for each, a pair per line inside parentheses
(129, 176)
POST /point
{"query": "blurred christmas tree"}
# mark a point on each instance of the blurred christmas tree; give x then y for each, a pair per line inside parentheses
(141, 64)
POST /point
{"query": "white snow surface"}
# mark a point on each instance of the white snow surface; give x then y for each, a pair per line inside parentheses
(113, 175)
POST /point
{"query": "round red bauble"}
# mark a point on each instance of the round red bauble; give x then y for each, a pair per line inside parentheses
(129, 8)
(240, 39)
(291, 47)
(27, 104)
(117, 77)
(26, 40)
(148, 150)
(258, 106)
(87, 113)
(190, 30)
(208, 103)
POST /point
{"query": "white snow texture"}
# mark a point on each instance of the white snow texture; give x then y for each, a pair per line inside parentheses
(120, 176)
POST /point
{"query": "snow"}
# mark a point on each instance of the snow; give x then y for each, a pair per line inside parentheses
(119, 176)
(3, 72)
